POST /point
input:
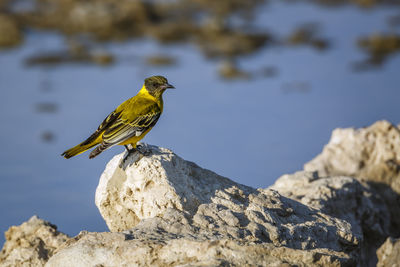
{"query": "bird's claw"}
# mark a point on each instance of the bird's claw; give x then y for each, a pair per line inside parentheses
(142, 149)
(133, 154)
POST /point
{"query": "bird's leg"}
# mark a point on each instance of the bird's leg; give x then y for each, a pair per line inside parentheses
(133, 153)
(128, 149)
(132, 149)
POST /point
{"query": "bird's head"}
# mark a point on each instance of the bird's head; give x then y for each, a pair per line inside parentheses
(156, 85)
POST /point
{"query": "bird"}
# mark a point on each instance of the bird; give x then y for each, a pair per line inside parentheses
(129, 122)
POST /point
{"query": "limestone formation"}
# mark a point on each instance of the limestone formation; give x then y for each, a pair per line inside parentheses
(345, 198)
(166, 199)
(136, 189)
(30, 244)
(160, 249)
(165, 211)
(369, 154)
(143, 188)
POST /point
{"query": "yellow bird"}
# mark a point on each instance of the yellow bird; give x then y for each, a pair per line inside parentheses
(129, 122)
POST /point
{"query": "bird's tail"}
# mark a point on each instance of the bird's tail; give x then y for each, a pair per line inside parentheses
(103, 146)
(76, 150)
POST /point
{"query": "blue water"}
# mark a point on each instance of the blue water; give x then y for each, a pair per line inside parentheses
(251, 131)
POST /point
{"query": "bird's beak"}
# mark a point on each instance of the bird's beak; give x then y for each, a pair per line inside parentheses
(168, 86)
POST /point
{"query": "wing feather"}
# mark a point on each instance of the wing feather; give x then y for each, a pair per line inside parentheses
(128, 126)
(109, 120)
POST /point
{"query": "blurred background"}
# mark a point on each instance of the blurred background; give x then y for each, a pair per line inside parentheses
(260, 86)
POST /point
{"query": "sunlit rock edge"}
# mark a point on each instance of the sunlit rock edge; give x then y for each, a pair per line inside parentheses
(166, 211)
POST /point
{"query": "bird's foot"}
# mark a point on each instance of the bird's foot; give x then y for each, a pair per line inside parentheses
(132, 153)
(130, 149)
(142, 149)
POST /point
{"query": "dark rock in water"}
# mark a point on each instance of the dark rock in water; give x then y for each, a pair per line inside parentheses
(10, 33)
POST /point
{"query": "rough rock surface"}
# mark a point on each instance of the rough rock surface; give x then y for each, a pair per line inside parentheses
(159, 249)
(173, 212)
(260, 229)
(165, 211)
(346, 198)
(30, 244)
(389, 253)
(369, 154)
(150, 186)
(145, 187)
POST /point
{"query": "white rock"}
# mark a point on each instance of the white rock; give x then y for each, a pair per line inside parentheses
(370, 154)
(174, 213)
(345, 198)
(117, 249)
(147, 188)
(30, 244)
(164, 201)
